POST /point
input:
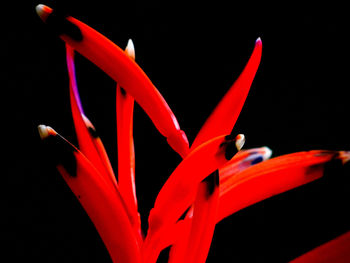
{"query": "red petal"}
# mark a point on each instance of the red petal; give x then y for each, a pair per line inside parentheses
(224, 116)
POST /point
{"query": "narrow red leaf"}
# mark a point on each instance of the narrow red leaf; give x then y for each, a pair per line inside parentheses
(100, 200)
(125, 144)
(203, 220)
(113, 60)
(89, 142)
(179, 191)
(224, 116)
(273, 177)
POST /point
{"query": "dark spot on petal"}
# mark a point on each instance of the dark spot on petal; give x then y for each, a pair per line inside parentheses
(230, 150)
(332, 170)
(123, 92)
(230, 146)
(93, 132)
(61, 152)
(313, 169)
(326, 152)
(59, 24)
(212, 181)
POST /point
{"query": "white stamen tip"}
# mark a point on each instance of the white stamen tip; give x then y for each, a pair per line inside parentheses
(344, 156)
(43, 11)
(39, 9)
(130, 49)
(43, 131)
(240, 140)
(267, 153)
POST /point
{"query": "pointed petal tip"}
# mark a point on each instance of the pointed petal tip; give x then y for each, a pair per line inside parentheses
(179, 142)
(130, 49)
(258, 43)
(130, 43)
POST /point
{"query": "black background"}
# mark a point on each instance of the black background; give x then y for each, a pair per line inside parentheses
(192, 53)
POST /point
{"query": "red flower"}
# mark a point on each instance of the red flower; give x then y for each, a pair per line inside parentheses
(214, 180)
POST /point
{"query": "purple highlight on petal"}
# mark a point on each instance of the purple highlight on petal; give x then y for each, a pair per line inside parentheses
(72, 78)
